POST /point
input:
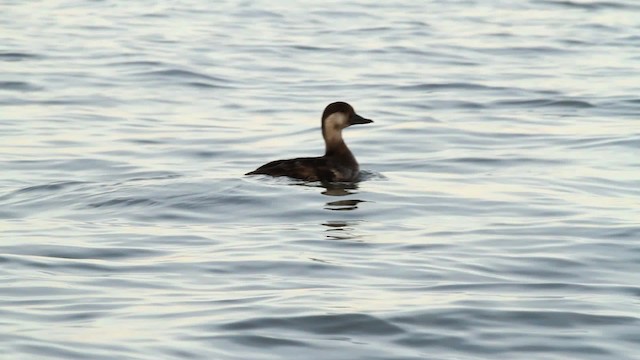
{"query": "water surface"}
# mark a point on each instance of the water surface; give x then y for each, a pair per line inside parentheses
(498, 216)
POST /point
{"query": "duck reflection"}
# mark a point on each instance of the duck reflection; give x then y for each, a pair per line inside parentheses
(342, 205)
(337, 189)
(341, 189)
(340, 230)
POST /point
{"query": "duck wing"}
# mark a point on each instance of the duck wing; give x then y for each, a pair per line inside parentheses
(308, 169)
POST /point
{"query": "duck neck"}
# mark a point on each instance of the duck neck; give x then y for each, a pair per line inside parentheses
(334, 144)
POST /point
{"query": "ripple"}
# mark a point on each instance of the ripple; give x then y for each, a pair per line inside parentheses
(342, 324)
(193, 79)
(36, 192)
(630, 142)
(41, 263)
(55, 186)
(261, 341)
(203, 85)
(18, 86)
(148, 175)
(137, 63)
(123, 202)
(66, 164)
(576, 104)
(75, 252)
(90, 100)
(595, 5)
(458, 318)
(503, 161)
(17, 56)
(174, 74)
(533, 51)
(311, 48)
(453, 86)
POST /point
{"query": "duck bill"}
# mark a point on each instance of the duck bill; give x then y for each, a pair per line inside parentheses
(357, 119)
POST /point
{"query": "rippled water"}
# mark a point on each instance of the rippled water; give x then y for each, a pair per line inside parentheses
(498, 217)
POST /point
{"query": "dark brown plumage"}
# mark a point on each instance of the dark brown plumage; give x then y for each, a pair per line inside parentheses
(337, 164)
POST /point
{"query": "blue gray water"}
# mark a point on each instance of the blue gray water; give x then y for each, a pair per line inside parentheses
(498, 216)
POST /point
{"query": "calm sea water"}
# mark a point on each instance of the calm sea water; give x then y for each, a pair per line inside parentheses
(498, 216)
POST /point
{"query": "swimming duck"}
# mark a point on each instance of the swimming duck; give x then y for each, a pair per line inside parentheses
(337, 163)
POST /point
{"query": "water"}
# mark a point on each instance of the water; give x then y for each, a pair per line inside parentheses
(498, 216)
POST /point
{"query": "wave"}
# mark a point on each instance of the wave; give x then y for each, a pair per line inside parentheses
(577, 104)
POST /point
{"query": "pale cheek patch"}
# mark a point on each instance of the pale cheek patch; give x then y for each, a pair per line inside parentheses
(336, 121)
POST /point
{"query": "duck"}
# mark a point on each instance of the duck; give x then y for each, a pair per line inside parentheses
(336, 165)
